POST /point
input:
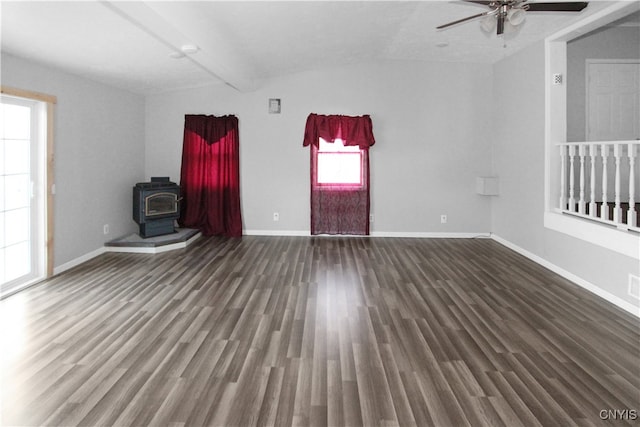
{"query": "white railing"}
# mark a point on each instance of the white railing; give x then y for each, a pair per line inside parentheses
(600, 181)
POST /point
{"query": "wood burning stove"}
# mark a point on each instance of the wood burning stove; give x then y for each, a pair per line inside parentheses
(156, 205)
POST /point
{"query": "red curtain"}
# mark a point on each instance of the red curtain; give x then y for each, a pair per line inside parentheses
(339, 209)
(210, 175)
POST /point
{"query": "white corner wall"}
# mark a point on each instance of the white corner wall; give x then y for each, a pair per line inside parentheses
(430, 120)
(99, 155)
(518, 159)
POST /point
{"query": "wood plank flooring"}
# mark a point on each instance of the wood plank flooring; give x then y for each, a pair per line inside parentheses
(317, 331)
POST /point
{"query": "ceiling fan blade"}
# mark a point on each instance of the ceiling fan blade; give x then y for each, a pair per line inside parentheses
(575, 6)
(491, 12)
(483, 2)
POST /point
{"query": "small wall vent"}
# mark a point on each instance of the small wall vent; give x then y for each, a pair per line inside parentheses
(275, 106)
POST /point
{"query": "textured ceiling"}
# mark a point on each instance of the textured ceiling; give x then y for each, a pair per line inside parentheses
(127, 44)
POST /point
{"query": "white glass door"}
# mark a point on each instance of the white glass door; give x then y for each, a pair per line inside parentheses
(21, 193)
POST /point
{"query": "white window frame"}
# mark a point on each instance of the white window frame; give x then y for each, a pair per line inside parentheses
(49, 102)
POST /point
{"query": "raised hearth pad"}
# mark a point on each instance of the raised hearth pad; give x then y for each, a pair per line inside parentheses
(153, 245)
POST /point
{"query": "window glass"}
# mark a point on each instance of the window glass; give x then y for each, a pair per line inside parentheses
(339, 164)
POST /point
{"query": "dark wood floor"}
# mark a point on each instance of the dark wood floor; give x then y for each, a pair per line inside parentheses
(317, 331)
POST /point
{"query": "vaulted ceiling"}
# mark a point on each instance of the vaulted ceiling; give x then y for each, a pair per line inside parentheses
(138, 45)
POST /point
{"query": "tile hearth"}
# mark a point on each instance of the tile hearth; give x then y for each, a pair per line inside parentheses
(137, 244)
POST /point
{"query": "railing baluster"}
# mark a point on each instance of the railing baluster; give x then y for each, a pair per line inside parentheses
(572, 200)
(563, 177)
(582, 153)
(593, 151)
(632, 219)
(617, 217)
(593, 198)
(604, 209)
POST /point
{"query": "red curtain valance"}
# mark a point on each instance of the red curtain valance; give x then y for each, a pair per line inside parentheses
(353, 130)
(210, 128)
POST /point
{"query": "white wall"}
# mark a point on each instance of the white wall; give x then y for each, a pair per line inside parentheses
(518, 159)
(99, 155)
(431, 121)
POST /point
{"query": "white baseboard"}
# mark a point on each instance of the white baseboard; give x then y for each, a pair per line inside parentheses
(429, 235)
(84, 258)
(275, 232)
(409, 234)
(615, 300)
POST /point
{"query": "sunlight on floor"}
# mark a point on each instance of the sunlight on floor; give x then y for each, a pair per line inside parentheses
(12, 329)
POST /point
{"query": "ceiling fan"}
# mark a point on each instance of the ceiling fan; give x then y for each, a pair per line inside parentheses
(513, 11)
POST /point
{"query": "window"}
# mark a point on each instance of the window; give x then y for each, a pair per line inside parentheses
(340, 199)
(339, 165)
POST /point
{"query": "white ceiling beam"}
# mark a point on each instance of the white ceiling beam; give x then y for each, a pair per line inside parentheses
(176, 24)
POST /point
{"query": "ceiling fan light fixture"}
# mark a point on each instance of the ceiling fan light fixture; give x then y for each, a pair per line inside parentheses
(488, 24)
(516, 16)
(510, 30)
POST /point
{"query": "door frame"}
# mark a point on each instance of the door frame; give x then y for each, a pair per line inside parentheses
(49, 184)
(587, 74)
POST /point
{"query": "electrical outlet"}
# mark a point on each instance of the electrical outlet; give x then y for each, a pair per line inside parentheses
(276, 216)
(371, 218)
(105, 229)
(443, 219)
